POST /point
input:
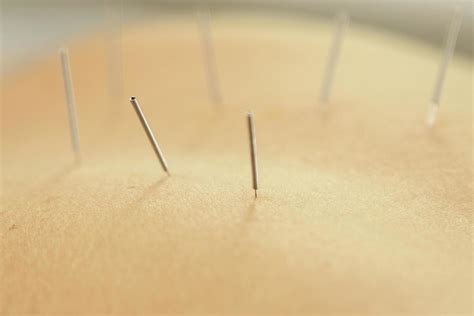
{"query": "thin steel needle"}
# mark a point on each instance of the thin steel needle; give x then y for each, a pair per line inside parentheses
(70, 102)
(253, 151)
(443, 68)
(149, 133)
(342, 21)
(207, 45)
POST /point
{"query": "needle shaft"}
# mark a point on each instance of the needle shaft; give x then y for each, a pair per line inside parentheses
(443, 67)
(70, 102)
(253, 151)
(341, 23)
(149, 133)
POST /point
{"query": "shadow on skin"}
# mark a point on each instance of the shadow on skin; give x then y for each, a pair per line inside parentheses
(146, 194)
(38, 189)
(435, 136)
(66, 170)
(57, 176)
(242, 230)
(250, 215)
(325, 111)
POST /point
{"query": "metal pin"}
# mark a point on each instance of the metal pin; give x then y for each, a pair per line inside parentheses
(253, 151)
(149, 133)
(70, 102)
(443, 68)
(214, 88)
(342, 21)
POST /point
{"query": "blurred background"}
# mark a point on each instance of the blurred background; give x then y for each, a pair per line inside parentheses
(30, 28)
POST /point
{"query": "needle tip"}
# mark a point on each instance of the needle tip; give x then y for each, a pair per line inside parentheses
(256, 195)
(432, 115)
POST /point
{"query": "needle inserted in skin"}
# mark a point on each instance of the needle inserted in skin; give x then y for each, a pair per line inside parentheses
(214, 88)
(70, 102)
(253, 151)
(149, 133)
(443, 68)
(341, 23)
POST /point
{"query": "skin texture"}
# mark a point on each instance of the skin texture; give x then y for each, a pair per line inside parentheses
(361, 208)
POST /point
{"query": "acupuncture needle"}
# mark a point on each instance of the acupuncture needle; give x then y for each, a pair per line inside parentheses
(342, 20)
(70, 103)
(253, 151)
(149, 133)
(443, 67)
